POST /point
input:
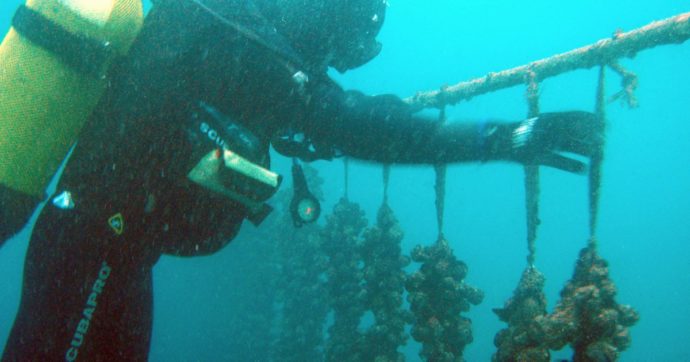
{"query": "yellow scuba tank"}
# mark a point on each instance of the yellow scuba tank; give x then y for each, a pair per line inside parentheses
(53, 65)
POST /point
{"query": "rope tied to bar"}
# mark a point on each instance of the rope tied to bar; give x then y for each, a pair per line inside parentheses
(440, 186)
(532, 173)
(532, 93)
(597, 158)
(629, 83)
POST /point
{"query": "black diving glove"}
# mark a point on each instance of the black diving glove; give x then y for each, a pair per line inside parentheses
(548, 139)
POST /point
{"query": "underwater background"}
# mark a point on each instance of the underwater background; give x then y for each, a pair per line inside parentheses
(644, 221)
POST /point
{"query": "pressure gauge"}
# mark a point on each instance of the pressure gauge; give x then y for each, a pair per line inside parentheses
(304, 207)
(308, 209)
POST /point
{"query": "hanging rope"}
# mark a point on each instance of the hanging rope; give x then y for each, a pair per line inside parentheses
(346, 165)
(440, 197)
(438, 293)
(518, 342)
(386, 178)
(597, 158)
(440, 186)
(532, 94)
(532, 175)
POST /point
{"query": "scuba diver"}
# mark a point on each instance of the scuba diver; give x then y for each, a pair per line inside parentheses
(175, 156)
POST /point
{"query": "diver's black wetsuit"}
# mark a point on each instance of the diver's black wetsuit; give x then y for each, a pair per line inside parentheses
(87, 290)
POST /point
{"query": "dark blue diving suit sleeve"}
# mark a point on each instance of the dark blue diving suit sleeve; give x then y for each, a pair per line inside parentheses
(384, 129)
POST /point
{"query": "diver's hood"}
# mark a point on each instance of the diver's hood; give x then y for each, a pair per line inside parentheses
(337, 33)
(312, 33)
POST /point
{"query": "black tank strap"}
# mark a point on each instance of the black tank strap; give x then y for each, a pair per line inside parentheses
(79, 52)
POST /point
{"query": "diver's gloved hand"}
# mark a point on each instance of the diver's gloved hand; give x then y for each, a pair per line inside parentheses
(543, 140)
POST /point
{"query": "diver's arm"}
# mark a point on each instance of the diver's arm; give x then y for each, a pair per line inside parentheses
(383, 129)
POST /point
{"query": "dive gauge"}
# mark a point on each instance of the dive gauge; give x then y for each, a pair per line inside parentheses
(304, 207)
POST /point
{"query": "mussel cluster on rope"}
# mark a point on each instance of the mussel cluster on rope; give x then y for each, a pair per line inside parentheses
(344, 273)
(587, 317)
(518, 342)
(384, 284)
(438, 295)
